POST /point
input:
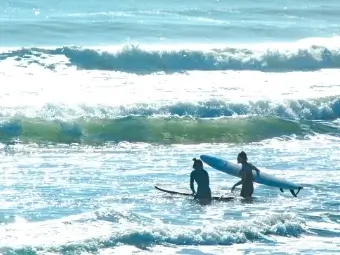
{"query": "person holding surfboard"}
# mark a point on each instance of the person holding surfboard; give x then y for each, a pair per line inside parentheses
(247, 176)
(201, 177)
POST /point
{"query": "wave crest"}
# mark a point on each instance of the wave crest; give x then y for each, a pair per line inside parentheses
(325, 109)
(137, 60)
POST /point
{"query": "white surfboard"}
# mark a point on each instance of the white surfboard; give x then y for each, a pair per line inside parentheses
(262, 178)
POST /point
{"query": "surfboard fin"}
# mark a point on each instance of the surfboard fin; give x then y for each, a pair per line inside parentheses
(293, 192)
(281, 190)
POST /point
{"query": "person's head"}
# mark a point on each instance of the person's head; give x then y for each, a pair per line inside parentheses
(198, 164)
(242, 157)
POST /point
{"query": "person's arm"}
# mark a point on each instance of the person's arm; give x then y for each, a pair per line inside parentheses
(208, 180)
(192, 179)
(256, 169)
(236, 184)
(242, 175)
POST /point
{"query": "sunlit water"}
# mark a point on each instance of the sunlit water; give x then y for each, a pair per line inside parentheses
(100, 101)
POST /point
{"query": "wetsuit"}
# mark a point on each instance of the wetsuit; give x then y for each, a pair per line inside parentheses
(247, 180)
(202, 179)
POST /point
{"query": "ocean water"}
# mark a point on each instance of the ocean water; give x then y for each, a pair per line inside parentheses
(102, 100)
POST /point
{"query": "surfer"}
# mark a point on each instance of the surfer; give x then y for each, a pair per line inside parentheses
(247, 176)
(201, 177)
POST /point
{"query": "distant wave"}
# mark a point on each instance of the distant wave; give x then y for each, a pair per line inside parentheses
(326, 109)
(159, 130)
(138, 60)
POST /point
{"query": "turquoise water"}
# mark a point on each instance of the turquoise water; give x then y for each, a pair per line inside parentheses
(102, 100)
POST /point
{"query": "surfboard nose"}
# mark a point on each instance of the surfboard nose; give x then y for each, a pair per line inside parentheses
(213, 162)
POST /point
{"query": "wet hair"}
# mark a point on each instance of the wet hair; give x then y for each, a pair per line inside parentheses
(197, 162)
(243, 155)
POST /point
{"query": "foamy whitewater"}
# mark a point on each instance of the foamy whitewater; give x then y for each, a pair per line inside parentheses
(102, 100)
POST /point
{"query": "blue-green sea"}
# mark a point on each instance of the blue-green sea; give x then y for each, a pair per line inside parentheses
(102, 100)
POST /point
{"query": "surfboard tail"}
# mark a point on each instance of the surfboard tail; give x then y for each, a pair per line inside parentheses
(293, 192)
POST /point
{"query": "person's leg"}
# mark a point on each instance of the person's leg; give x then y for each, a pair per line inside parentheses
(203, 196)
(247, 191)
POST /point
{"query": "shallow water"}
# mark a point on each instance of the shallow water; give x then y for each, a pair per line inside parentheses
(99, 102)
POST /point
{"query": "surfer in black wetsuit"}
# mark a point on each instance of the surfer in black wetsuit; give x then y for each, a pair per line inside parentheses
(246, 174)
(201, 177)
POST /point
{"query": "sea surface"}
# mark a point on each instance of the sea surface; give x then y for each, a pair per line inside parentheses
(102, 100)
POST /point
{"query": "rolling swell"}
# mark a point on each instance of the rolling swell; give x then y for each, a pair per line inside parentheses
(290, 109)
(159, 130)
(146, 236)
(134, 59)
(325, 109)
